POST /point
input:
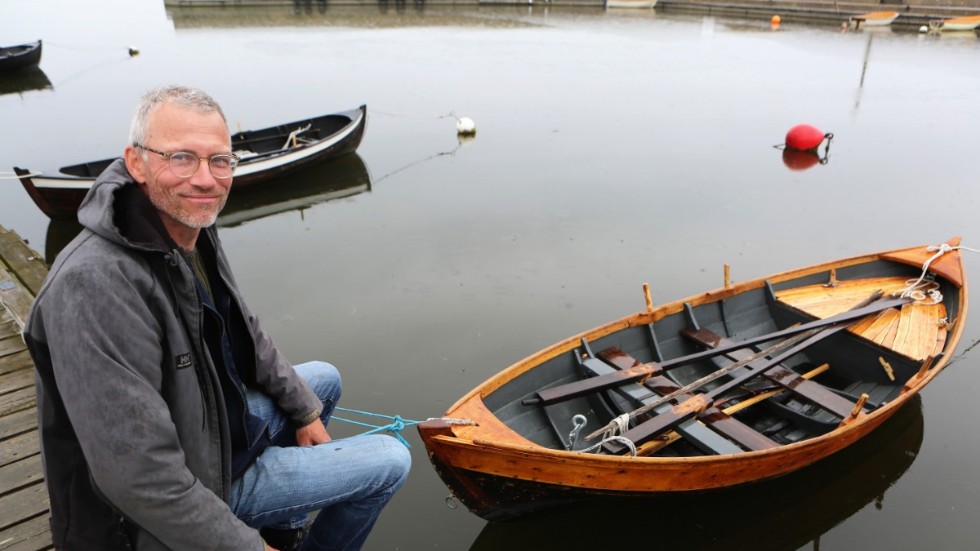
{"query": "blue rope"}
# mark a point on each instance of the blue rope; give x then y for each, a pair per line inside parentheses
(395, 427)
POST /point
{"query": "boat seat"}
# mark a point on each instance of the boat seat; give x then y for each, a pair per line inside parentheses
(878, 394)
(806, 389)
(717, 433)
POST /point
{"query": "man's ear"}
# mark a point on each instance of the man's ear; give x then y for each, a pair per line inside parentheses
(135, 164)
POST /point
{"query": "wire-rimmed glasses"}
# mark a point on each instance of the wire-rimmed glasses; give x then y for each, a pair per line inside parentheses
(184, 163)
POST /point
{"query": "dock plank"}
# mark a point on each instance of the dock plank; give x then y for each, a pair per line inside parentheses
(24, 501)
(32, 535)
(18, 447)
(21, 474)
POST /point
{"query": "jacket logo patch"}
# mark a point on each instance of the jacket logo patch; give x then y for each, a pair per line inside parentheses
(183, 361)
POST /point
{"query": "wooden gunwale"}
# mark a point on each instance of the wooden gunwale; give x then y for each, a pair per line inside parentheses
(494, 448)
(645, 318)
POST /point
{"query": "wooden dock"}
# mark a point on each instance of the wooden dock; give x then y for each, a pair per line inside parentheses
(23, 496)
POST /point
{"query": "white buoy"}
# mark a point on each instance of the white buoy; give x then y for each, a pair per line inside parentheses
(923, 29)
(465, 126)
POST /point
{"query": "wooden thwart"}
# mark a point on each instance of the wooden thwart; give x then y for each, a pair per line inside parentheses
(680, 413)
(721, 422)
(786, 378)
(595, 384)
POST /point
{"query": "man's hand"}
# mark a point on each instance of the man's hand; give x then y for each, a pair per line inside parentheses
(312, 434)
(267, 548)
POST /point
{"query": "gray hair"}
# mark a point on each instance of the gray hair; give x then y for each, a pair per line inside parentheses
(185, 96)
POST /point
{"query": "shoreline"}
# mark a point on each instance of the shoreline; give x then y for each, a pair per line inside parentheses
(912, 16)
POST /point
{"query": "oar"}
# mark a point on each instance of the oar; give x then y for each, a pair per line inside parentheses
(693, 406)
(591, 385)
(686, 389)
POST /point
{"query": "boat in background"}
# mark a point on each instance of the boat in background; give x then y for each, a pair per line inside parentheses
(720, 390)
(874, 19)
(21, 56)
(967, 23)
(633, 4)
(265, 154)
(330, 180)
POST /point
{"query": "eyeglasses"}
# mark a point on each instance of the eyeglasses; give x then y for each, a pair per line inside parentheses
(185, 164)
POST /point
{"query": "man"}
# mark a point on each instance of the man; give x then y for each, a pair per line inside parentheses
(168, 418)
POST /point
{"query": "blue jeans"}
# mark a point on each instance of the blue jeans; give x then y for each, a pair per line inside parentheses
(348, 480)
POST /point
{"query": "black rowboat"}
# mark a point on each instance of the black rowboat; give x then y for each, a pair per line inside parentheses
(266, 154)
(22, 56)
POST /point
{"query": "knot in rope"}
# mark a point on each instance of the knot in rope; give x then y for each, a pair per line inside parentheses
(925, 286)
(619, 425)
(395, 427)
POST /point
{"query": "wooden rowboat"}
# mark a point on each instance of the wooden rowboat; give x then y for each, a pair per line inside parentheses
(875, 18)
(740, 384)
(961, 23)
(266, 154)
(22, 56)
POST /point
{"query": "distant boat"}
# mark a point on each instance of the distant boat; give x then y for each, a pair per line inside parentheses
(637, 4)
(967, 23)
(709, 392)
(875, 18)
(298, 190)
(266, 154)
(15, 58)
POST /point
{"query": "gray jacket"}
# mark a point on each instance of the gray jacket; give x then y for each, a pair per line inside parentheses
(134, 431)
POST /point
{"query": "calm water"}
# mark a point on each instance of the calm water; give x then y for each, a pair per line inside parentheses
(613, 149)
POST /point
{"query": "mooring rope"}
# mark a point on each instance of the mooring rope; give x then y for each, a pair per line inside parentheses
(396, 425)
(925, 285)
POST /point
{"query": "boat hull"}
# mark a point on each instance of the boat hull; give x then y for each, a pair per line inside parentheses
(60, 194)
(875, 19)
(961, 23)
(16, 58)
(500, 465)
(631, 4)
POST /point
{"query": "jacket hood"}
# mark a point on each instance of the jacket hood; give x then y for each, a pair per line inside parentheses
(116, 209)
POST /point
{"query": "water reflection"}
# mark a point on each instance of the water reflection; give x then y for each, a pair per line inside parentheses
(25, 80)
(335, 179)
(785, 513)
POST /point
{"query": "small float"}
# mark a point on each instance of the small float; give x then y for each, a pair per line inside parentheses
(874, 19)
(729, 387)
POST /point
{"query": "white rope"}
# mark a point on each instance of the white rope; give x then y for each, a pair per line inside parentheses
(617, 426)
(621, 439)
(926, 286)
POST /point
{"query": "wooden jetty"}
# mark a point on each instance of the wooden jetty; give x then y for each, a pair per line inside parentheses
(23, 496)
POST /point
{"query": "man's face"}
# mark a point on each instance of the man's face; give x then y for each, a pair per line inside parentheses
(194, 201)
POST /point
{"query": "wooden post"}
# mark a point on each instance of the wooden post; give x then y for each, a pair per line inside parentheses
(856, 411)
(649, 299)
(728, 276)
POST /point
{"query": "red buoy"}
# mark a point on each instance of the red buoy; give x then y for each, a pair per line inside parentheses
(804, 137)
